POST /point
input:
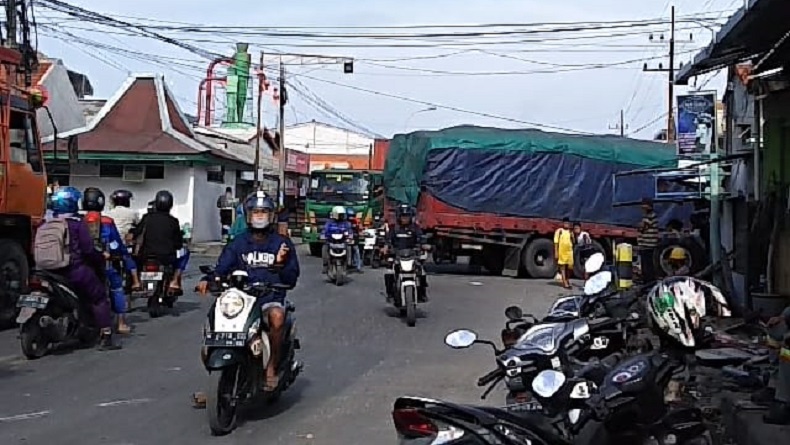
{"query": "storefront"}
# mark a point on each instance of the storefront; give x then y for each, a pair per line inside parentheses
(297, 178)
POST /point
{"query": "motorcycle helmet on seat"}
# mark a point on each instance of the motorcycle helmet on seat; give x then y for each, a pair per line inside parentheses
(677, 305)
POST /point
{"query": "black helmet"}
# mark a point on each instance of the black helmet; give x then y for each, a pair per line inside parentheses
(405, 210)
(163, 201)
(121, 198)
(151, 205)
(92, 200)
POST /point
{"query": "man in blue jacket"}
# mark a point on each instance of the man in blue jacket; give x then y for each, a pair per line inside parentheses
(268, 258)
(337, 223)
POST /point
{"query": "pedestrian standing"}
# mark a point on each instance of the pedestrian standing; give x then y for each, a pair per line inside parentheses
(583, 244)
(648, 241)
(563, 251)
(226, 203)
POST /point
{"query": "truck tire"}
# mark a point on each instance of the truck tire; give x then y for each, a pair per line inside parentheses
(694, 249)
(14, 272)
(578, 264)
(538, 258)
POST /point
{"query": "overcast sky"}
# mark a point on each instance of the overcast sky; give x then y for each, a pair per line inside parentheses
(579, 98)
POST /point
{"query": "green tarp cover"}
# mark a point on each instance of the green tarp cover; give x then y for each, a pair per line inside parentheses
(408, 153)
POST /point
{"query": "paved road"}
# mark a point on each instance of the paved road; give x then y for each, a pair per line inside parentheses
(358, 358)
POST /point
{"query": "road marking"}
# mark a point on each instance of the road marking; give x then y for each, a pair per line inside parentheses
(475, 283)
(27, 416)
(123, 402)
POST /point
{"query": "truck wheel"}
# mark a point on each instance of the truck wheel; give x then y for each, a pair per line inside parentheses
(315, 249)
(578, 263)
(538, 258)
(14, 272)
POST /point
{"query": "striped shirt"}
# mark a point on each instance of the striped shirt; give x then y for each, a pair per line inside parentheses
(648, 235)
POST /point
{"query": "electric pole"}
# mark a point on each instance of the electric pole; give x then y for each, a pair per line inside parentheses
(671, 77)
(298, 60)
(258, 135)
(621, 126)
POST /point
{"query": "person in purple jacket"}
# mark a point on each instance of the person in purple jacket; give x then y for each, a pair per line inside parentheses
(85, 262)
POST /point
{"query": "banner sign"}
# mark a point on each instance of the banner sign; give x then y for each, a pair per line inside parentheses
(696, 126)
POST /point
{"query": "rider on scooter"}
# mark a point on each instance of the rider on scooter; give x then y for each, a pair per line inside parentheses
(336, 224)
(268, 258)
(356, 230)
(404, 236)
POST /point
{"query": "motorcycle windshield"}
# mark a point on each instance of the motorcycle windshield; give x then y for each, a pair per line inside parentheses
(544, 338)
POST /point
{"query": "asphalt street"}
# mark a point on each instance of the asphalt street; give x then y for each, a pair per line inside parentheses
(358, 358)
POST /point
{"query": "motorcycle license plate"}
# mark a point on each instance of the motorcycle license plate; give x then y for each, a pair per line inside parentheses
(24, 315)
(35, 300)
(337, 246)
(151, 276)
(225, 339)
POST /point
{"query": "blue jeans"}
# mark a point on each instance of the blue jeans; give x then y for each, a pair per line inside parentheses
(356, 260)
(182, 263)
(117, 295)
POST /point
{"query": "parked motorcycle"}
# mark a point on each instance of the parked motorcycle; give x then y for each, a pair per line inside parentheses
(339, 257)
(403, 283)
(51, 314)
(236, 349)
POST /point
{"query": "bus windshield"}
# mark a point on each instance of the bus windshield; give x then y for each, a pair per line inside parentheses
(335, 187)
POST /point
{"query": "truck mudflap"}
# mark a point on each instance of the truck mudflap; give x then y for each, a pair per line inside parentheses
(513, 260)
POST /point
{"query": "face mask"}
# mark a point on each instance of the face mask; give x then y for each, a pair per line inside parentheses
(259, 222)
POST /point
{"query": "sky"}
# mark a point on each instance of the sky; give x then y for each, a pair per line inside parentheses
(512, 85)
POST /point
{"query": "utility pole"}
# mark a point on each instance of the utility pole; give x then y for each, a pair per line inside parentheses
(671, 78)
(10, 13)
(259, 118)
(621, 126)
(283, 150)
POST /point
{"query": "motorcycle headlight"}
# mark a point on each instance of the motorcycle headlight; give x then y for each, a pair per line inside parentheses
(407, 265)
(231, 304)
(548, 382)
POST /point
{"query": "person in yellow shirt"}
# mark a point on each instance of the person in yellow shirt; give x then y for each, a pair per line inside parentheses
(563, 251)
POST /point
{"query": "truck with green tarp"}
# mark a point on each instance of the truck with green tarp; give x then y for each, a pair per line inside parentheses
(360, 190)
(498, 195)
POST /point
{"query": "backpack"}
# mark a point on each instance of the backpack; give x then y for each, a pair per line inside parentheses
(51, 246)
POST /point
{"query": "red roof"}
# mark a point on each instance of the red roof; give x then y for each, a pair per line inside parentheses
(142, 118)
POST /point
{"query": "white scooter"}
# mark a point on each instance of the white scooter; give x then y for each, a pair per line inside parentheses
(370, 247)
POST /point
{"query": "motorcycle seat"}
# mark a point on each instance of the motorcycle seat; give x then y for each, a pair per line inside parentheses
(537, 424)
(51, 276)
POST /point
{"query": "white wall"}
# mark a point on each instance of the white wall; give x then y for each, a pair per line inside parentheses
(206, 225)
(63, 103)
(177, 181)
(317, 138)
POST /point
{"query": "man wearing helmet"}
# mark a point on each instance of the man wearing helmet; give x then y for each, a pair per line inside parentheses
(125, 218)
(678, 263)
(356, 259)
(337, 224)
(106, 238)
(267, 257)
(159, 235)
(404, 236)
(84, 263)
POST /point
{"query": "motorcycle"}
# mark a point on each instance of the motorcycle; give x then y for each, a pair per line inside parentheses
(369, 247)
(51, 314)
(403, 283)
(628, 406)
(339, 257)
(155, 278)
(236, 349)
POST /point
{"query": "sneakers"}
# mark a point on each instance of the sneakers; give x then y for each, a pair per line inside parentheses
(106, 343)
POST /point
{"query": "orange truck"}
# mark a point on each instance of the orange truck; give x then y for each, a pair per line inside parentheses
(23, 182)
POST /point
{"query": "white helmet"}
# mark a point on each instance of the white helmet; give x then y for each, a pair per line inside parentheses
(677, 304)
(337, 211)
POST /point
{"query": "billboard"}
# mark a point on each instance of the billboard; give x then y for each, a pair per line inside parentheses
(697, 123)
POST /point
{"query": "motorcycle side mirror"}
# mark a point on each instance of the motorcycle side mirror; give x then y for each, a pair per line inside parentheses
(460, 339)
(208, 270)
(594, 263)
(598, 282)
(514, 313)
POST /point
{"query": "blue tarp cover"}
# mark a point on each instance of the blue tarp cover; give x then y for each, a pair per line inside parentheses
(528, 173)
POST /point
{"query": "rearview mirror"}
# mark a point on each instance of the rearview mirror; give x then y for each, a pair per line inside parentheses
(598, 282)
(514, 313)
(460, 339)
(208, 270)
(594, 263)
